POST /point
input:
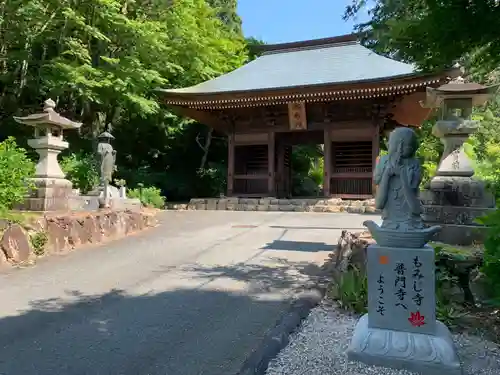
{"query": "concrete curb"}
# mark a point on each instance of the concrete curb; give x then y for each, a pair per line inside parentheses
(278, 337)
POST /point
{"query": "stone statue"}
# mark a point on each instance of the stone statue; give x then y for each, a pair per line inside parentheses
(400, 329)
(108, 157)
(398, 177)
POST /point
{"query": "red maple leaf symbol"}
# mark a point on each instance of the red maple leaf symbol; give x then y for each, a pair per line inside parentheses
(416, 319)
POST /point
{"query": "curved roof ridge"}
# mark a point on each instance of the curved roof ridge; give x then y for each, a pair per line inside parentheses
(307, 44)
(308, 47)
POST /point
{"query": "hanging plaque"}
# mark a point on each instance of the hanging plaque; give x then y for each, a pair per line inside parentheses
(297, 116)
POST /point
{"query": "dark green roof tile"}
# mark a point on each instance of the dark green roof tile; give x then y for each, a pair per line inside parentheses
(317, 65)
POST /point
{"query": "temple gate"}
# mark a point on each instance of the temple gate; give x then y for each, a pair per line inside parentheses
(333, 92)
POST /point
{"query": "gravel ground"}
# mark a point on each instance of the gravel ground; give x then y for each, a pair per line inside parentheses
(319, 348)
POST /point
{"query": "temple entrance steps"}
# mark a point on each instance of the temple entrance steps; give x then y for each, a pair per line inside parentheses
(331, 205)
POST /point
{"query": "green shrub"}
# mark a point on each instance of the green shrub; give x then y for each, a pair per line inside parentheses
(350, 290)
(487, 167)
(81, 169)
(149, 196)
(316, 172)
(491, 265)
(213, 178)
(38, 242)
(16, 169)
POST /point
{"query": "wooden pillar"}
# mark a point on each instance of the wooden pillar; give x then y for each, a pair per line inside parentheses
(327, 160)
(271, 163)
(280, 173)
(230, 164)
(375, 145)
(375, 152)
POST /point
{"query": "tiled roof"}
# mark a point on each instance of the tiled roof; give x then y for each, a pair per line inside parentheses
(316, 64)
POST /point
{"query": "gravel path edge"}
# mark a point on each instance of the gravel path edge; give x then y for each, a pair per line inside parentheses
(278, 338)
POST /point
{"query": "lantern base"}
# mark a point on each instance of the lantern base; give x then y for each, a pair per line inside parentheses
(51, 194)
(421, 353)
(455, 203)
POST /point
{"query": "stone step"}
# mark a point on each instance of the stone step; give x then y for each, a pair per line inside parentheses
(331, 205)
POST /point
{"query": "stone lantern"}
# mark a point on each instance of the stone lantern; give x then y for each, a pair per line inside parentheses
(454, 199)
(52, 189)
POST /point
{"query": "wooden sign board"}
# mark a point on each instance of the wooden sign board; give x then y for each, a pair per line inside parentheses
(297, 116)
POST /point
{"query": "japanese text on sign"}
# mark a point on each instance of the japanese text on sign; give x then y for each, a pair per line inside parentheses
(417, 282)
(381, 307)
(400, 285)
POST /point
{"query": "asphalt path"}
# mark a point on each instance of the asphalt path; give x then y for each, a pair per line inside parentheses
(195, 295)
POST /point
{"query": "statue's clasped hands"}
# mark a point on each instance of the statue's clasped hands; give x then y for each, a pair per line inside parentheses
(392, 170)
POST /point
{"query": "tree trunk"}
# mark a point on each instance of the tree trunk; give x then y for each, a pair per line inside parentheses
(206, 148)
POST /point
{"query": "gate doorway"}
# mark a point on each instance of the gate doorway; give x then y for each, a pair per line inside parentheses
(299, 164)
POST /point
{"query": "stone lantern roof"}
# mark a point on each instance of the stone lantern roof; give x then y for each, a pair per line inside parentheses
(48, 117)
(459, 90)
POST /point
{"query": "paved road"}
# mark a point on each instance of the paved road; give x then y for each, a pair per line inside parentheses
(193, 296)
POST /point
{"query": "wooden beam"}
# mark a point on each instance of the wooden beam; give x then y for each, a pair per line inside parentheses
(351, 175)
(271, 182)
(250, 177)
(327, 160)
(230, 164)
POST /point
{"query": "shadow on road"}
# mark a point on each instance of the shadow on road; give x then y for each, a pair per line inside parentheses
(181, 332)
(282, 275)
(291, 227)
(310, 247)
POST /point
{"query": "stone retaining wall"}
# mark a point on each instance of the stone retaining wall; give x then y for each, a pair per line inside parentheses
(44, 234)
(273, 204)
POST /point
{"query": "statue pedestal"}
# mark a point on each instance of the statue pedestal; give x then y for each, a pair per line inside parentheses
(427, 354)
(400, 330)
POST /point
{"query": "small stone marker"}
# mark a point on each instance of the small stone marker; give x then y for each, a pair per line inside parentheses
(401, 289)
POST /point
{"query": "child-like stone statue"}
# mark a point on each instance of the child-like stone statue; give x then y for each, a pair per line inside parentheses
(398, 177)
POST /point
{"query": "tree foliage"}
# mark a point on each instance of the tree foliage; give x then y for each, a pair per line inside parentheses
(227, 12)
(15, 170)
(433, 34)
(101, 60)
(82, 170)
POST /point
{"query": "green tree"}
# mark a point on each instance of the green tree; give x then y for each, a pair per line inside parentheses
(253, 45)
(101, 60)
(227, 13)
(433, 34)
